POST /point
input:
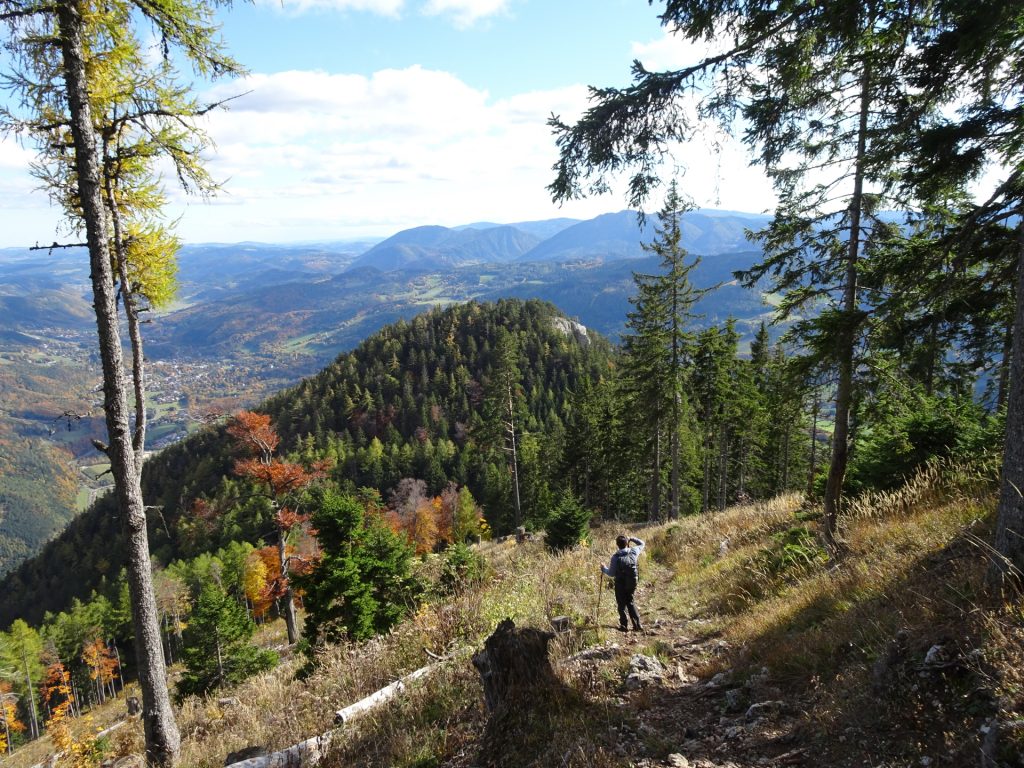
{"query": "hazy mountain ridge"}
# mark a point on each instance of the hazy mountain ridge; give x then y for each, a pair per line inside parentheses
(50, 289)
(609, 237)
(254, 317)
(436, 247)
(445, 358)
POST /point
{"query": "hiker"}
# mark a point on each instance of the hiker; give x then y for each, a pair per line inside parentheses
(624, 568)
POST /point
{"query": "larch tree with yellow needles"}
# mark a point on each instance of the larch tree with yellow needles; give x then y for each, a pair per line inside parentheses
(101, 113)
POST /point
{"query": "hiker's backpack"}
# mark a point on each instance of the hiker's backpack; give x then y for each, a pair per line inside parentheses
(628, 567)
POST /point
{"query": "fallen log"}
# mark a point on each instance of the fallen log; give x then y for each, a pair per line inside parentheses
(385, 694)
(111, 729)
(311, 751)
(301, 755)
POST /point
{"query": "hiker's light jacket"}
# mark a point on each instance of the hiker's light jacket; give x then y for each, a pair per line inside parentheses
(612, 569)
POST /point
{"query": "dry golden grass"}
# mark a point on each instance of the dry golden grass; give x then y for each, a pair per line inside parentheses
(753, 574)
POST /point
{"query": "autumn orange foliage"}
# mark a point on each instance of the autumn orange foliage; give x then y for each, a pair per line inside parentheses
(56, 688)
(254, 431)
(56, 691)
(283, 480)
(102, 663)
(280, 477)
(9, 722)
(428, 526)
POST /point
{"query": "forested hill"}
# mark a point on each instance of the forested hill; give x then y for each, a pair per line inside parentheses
(417, 399)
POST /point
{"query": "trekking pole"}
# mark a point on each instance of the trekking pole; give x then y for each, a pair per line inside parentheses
(597, 611)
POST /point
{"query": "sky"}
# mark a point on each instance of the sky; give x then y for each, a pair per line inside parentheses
(363, 117)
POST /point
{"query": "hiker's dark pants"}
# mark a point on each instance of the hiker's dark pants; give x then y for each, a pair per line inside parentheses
(624, 589)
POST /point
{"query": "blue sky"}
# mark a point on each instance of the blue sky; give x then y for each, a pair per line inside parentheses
(369, 116)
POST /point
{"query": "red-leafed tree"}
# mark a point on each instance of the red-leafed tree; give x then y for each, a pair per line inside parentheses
(283, 481)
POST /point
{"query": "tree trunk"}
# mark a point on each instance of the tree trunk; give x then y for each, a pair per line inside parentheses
(120, 671)
(514, 666)
(1004, 366)
(655, 509)
(130, 302)
(674, 510)
(290, 618)
(162, 737)
(846, 336)
(785, 455)
(515, 458)
(814, 445)
(705, 489)
(1009, 540)
(520, 688)
(34, 722)
(220, 662)
(676, 375)
(723, 468)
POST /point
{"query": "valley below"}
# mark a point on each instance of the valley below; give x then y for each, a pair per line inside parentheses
(251, 319)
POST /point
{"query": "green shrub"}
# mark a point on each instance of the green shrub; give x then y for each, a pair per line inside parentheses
(217, 650)
(898, 443)
(462, 567)
(363, 583)
(569, 523)
(794, 549)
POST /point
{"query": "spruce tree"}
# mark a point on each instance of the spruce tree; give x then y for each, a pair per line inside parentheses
(659, 347)
(362, 584)
(568, 524)
(217, 650)
(820, 132)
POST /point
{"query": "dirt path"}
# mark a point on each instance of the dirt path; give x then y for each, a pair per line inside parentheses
(692, 712)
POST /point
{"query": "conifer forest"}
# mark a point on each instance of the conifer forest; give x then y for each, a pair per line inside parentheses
(822, 466)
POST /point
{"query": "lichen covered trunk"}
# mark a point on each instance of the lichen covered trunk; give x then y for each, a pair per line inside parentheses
(1009, 541)
(162, 737)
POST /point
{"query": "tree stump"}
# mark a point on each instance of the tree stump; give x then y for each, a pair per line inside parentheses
(514, 662)
(524, 697)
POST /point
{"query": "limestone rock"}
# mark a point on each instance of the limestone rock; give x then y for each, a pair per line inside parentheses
(643, 670)
(734, 700)
(763, 709)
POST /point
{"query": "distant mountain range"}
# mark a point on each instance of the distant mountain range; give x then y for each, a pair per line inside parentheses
(254, 294)
(607, 237)
(278, 312)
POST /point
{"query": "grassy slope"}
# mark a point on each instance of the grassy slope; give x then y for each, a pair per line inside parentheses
(740, 612)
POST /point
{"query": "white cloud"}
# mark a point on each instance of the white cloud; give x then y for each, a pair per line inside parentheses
(674, 52)
(12, 154)
(318, 155)
(314, 152)
(466, 12)
(381, 7)
(324, 151)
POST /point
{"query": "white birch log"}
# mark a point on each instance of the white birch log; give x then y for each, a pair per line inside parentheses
(111, 729)
(386, 693)
(311, 751)
(302, 755)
